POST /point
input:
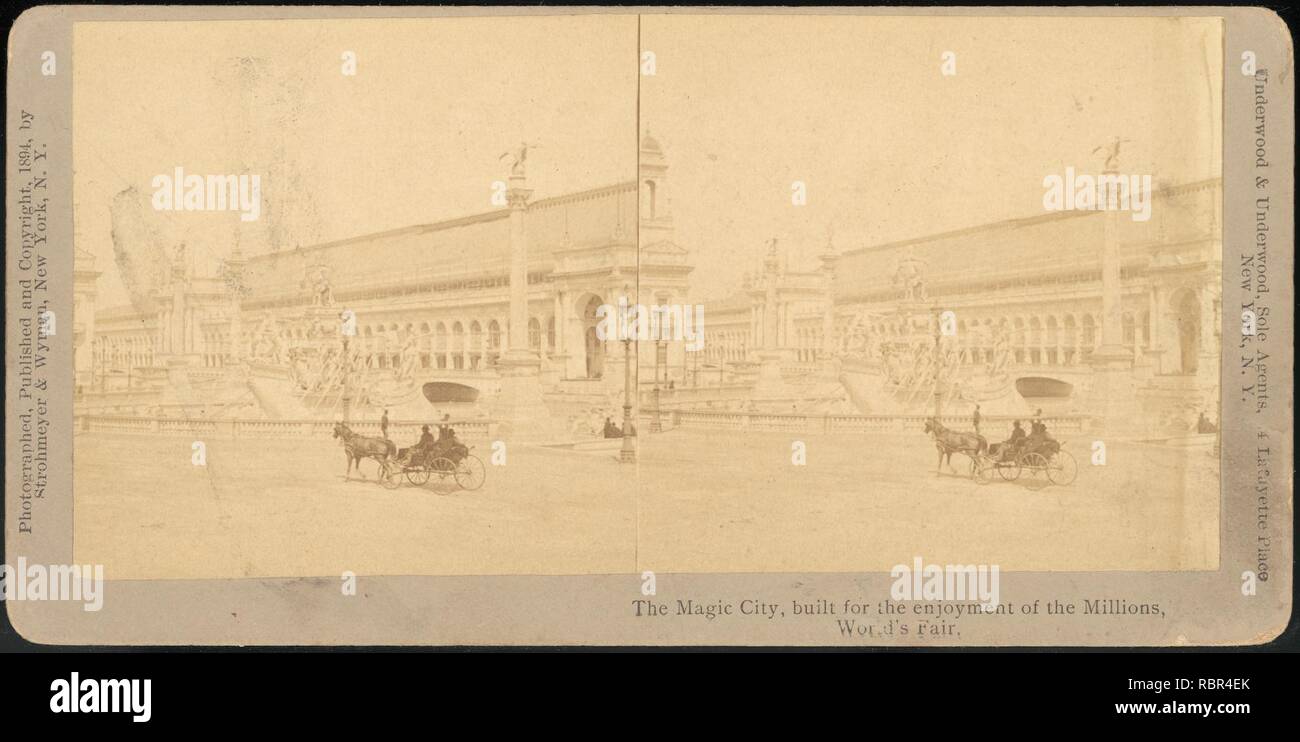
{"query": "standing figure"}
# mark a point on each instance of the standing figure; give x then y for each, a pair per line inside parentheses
(409, 358)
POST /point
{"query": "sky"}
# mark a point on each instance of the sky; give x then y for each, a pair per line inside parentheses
(414, 137)
(887, 146)
(857, 109)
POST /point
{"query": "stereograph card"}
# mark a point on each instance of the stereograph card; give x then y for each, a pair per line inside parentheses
(649, 326)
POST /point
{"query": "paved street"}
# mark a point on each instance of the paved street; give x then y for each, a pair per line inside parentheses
(281, 508)
(870, 502)
(697, 501)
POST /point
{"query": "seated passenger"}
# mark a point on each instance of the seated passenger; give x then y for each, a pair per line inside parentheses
(426, 438)
(1017, 432)
(1017, 438)
(445, 434)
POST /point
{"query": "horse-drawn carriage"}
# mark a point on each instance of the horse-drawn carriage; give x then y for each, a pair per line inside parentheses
(446, 457)
(1040, 457)
(442, 459)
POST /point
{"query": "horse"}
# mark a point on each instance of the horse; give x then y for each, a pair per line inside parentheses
(360, 447)
(950, 441)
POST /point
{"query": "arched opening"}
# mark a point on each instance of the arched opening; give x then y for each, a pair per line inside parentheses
(1035, 340)
(1071, 339)
(426, 345)
(1036, 389)
(493, 342)
(458, 346)
(1089, 343)
(593, 346)
(475, 345)
(447, 392)
(534, 335)
(651, 199)
(1053, 340)
(1018, 339)
(440, 345)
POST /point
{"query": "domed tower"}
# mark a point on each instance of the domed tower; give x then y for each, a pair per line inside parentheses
(663, 270)
(656, 222)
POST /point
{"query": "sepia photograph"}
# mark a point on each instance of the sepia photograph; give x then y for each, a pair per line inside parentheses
(872, 329)
(600, 294)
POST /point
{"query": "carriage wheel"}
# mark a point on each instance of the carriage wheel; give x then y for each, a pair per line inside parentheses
(1008, 470)
(390, 474)
(1036, 465)
(442, 467)
(418, 476)
(470, 474)
(1061, 469)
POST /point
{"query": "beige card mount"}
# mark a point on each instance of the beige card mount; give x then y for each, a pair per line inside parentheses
(649, 326)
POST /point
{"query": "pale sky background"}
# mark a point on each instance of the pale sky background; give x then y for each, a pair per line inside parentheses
(743, 105)
(414, 137)
(891, 149)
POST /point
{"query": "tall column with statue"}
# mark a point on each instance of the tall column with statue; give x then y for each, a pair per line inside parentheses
(181, 353)
(773, 354)
(519, 408)
(1113, 396)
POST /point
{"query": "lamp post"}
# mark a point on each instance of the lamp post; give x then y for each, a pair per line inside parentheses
(627, 454)
(656, 423)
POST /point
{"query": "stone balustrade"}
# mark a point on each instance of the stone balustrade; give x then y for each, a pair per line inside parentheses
(992, 426)
(398, 430)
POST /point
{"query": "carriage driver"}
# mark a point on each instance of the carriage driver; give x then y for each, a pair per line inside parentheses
(426, 438)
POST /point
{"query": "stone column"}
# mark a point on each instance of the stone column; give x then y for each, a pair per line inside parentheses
(520, 412)
(1112, 310)
(774, 351)
(517, 197)
(1113, 396)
